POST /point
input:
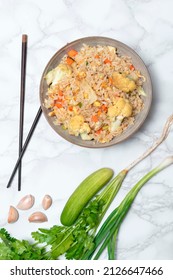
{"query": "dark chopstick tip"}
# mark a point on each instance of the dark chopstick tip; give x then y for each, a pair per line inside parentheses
(24, 38)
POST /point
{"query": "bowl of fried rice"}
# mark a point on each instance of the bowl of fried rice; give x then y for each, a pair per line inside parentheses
(95, 92)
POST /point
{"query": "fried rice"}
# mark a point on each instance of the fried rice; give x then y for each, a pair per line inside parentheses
(94, 93)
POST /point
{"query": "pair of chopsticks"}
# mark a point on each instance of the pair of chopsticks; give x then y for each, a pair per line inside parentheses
(22, 148)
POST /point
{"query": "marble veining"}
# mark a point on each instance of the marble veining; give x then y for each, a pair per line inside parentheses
(52, 165)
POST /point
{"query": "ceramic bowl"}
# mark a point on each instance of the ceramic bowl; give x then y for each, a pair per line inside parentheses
(123, 50)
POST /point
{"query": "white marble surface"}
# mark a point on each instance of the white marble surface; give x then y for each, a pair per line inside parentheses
(52, 165)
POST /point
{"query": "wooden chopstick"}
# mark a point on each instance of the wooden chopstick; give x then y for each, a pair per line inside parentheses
(35, 122)
(22, 101)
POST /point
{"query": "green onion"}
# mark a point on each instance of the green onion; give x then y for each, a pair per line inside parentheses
(107, 234)
(111, 245)
(106, 196)
(80, 104)
(110, 191)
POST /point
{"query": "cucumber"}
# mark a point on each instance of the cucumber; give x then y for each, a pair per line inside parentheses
(83, 194)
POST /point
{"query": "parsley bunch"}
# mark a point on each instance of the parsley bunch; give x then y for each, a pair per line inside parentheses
(14, 249)
(75, 240)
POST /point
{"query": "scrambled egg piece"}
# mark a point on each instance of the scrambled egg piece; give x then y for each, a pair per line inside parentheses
(77, 126)
(58, 73)
(121, 108)
(123, 83)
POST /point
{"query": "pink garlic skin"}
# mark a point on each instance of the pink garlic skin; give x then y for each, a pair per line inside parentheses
(37, 217)
(13, 215)
(26, 202)
(46, 202)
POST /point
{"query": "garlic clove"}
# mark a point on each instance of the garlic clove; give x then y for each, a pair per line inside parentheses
(26, 202)
(13, 215)
(46, 202)
(37, 217)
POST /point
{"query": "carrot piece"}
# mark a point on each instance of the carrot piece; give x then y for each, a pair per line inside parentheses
(59, 100)
(110, 80)
(99, 113)
(69, 60)
(94, 118)
(72, 53)
(97, 56)
(107, 61)
(58, 105)
(60, 93)
(104, 107)
(99, 131)
(132, 67)
(104, 85)
(70, 108)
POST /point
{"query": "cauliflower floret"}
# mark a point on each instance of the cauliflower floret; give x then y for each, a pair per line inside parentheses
(58, 73)
(112, 112)
(75, 124)
(85, 128)
(123, 83)
(115, 110)
(115, 125)
(127, 110)
(78, 126)
(85, 136)
(118, 112)
(121, 108)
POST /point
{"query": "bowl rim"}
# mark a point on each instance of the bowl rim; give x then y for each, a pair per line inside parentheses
(83, 143)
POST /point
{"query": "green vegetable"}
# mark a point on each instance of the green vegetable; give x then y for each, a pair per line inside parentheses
(110, 191)
(76, 239)
(73, 241)
(107, 234)
(83, 194)
(79, 241)
(14, 249)
(80, 104)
